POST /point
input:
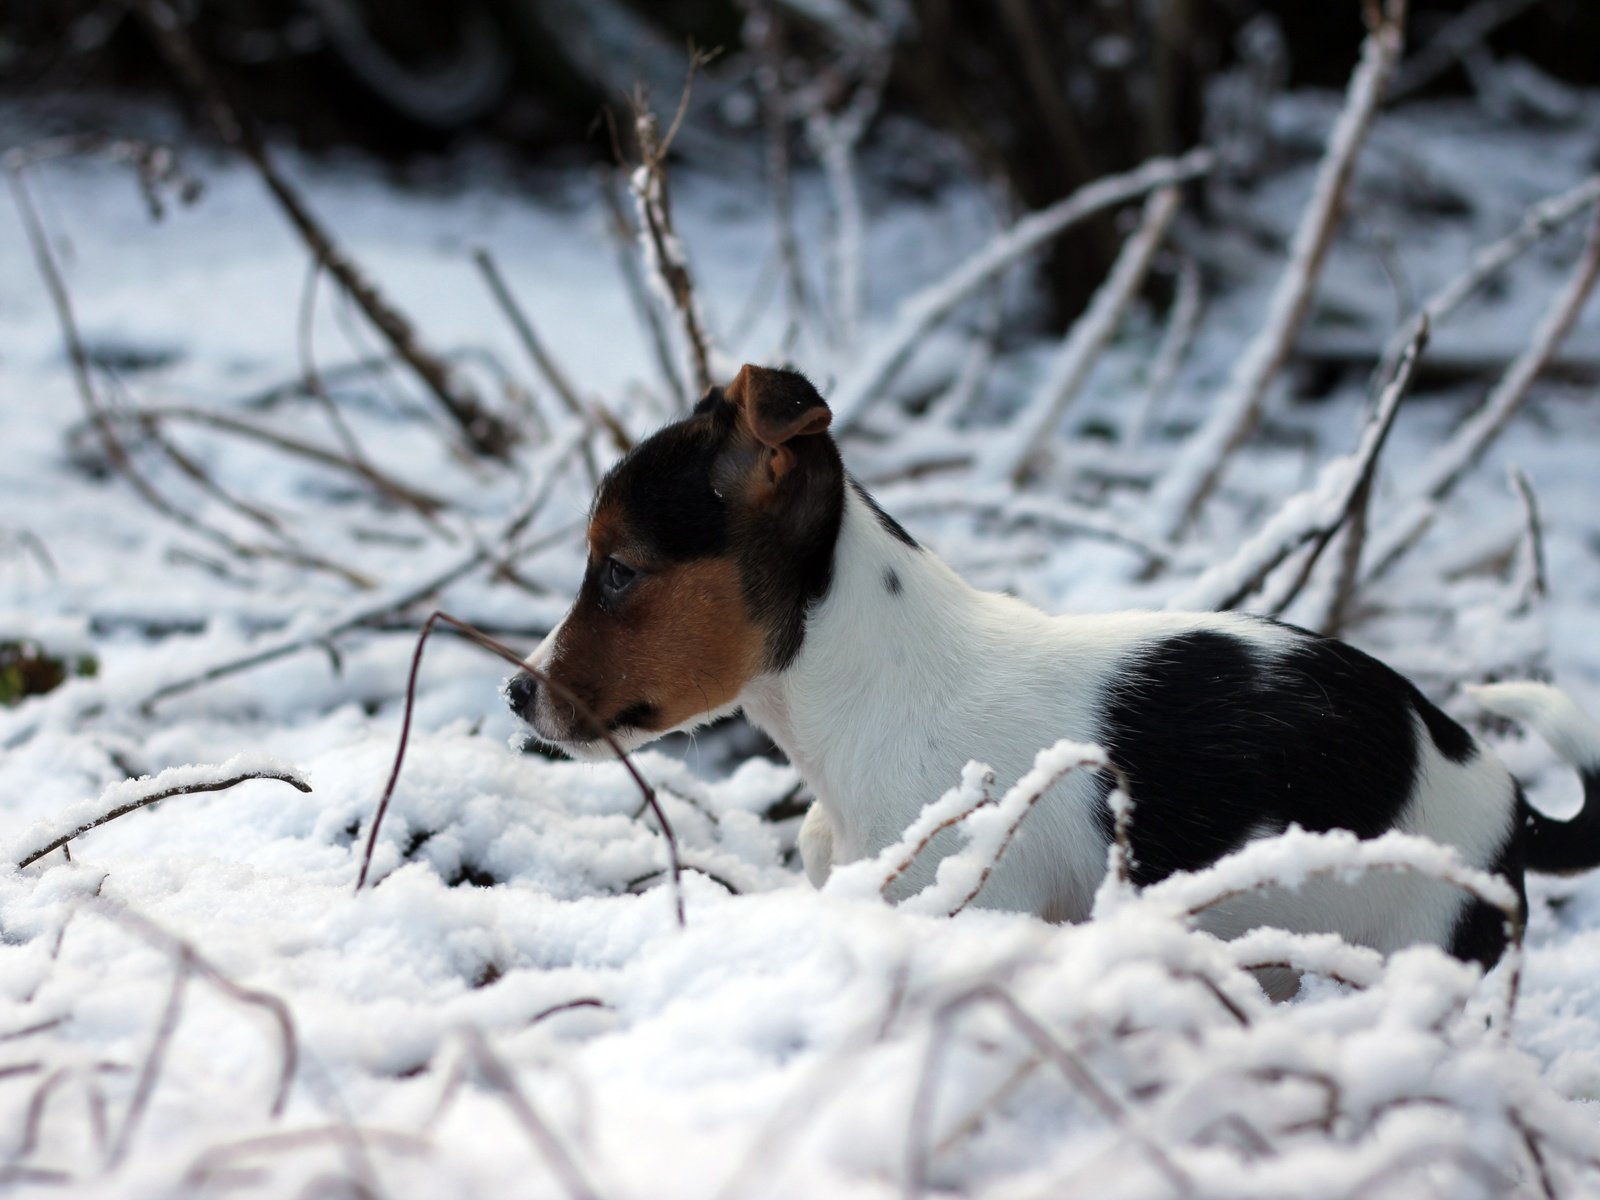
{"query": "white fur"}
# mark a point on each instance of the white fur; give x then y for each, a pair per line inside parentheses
(1550, 713)
(891, 694)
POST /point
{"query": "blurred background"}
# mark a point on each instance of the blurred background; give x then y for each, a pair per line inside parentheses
(1040, 95)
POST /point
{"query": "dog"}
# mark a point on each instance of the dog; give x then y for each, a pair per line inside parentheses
(733, 563)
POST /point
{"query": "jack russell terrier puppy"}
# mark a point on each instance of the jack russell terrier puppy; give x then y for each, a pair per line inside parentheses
(734, 564)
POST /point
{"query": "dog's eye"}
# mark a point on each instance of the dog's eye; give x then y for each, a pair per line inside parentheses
(616, 578)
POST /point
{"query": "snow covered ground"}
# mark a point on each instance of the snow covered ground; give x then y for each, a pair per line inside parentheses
(197, 1003)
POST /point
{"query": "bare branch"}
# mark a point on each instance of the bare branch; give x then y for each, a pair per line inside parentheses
(1182, 322)
(485, 432)
(131, 795)
(1200, 464)
(1475, 435)
(1033, 429)
(1314, 516)
(866, 384)
(663, 249)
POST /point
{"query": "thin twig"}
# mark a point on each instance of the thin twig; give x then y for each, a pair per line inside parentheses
(377, 611)
(1474, 437)
(497, 1075)
(144, 801)
(1313, 516)
(1033, 429)
(663, 249)
(867, 384)
(584, 712)
(1539, 222)
(1182, 322)
(1236, 412)
(485, 432)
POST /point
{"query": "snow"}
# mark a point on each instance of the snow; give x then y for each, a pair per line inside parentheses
(512, 1006)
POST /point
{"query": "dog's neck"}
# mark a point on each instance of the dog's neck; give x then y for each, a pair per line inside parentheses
(876, 710)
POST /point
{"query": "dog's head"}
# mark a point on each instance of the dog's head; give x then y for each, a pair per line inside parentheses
(706, 545)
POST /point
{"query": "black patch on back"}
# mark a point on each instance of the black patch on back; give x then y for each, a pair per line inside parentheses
(1451, 740)
(665, 487)
(1480, 932)
(890, 525)
(1221, 738)
(891, 580)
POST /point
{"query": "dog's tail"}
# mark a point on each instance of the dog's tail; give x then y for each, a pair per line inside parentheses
(1555, 847)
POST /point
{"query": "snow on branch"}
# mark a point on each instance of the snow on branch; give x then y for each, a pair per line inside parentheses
(1031, 430)
(1540, 221)
(1313, 516)
(866, 383)
(1325, 954)
(1234, 416)
(1474, 437)
(666, 260)
(1297, 856)
(130, 795)
(989, 825)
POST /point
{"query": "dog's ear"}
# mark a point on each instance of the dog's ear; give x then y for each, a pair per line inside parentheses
(776, 407)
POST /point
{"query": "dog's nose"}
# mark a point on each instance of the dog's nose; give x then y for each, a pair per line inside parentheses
(521, 692)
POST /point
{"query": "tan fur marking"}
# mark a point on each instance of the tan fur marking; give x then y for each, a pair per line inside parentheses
(682, 643)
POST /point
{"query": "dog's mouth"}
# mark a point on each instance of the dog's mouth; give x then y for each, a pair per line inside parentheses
(627, 731)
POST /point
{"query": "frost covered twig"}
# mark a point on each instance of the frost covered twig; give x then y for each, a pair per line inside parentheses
(663, 250)
(1071, 1064)
(1182, 322)
(425, 503)
(1031, 430)
(548, 367)
(1457, 38)
(1291, 858)
(192, 964)
(1201, 462)
(485, 433)
(130, 795)
(1314, 516)
(494, 1073)
(384, 607)
(922, 311)
(1538, 223)
(1532, 582)
(584, 712)
(1475, 435)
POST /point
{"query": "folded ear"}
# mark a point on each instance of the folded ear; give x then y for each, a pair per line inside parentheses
(777, 406)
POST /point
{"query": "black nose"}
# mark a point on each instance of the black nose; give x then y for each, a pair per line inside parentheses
(521, 692)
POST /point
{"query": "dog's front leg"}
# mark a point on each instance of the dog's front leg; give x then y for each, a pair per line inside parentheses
(816, 844)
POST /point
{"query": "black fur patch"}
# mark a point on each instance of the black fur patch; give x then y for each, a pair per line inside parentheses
(1221, 738)
(1480, 932)
(891, 581)
(665, 487)
(1452, 741)
(1566, 847)
(890, 525)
